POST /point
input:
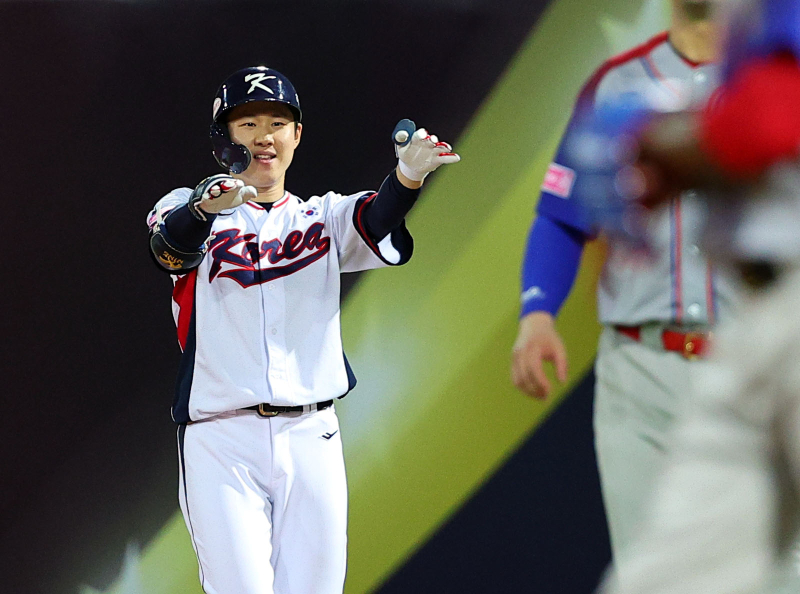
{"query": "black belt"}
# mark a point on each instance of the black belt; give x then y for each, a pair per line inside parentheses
(267, 410)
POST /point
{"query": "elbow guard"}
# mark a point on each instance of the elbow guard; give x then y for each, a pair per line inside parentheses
(170, 258)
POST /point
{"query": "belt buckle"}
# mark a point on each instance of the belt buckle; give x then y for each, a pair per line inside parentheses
(266, 413)
(690, 345)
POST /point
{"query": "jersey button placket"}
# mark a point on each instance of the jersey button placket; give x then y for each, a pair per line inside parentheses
(273, 299)
(693, 263)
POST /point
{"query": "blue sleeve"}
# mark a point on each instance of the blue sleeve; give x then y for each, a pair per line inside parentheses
(556, 200)
(551, 264)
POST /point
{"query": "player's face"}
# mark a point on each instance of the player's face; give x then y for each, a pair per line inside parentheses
(268, 130)
(696, 10)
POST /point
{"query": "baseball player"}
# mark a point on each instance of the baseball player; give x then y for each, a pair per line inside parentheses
(657, 311)
(256, 304)
(718, 523)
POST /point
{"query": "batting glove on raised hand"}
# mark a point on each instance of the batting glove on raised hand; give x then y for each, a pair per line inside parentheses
(217, 193)
(418, 152)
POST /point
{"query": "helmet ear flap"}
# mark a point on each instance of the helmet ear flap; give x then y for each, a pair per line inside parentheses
(231, 156)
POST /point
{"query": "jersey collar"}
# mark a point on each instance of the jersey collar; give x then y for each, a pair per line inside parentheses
(277, 204)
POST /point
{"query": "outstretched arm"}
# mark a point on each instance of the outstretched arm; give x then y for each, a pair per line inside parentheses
(390, 206)
(419, 153)
(177, 238)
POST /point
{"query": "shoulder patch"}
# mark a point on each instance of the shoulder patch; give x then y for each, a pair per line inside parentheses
(559, 180)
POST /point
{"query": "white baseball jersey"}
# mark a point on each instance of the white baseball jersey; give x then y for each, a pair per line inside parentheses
(258, 320)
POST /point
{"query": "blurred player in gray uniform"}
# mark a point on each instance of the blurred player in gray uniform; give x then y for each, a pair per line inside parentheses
(719, 521)
(657, 311)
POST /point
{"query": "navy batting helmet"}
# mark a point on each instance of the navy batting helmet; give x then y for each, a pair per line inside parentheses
(257, 83)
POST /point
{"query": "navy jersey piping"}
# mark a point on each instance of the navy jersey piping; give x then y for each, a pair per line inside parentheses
(183, 387)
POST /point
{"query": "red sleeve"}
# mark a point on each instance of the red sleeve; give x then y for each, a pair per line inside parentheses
(753, 121)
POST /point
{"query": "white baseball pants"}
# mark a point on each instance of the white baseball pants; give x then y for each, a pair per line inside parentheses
(265, 502)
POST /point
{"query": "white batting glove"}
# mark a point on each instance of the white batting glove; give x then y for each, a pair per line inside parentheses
(423, 154)
(219, 192)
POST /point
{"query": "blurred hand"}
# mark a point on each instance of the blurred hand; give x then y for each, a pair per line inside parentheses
(537, 342)
(671, 159)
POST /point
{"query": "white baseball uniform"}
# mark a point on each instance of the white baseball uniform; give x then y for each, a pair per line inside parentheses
(265, 499)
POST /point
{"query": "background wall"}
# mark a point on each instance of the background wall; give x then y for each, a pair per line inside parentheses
(458, 483)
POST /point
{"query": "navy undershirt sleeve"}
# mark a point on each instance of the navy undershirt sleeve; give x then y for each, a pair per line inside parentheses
(551, 264)
(390, 206)
(186, 229)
